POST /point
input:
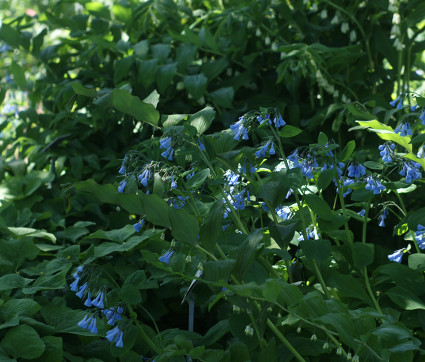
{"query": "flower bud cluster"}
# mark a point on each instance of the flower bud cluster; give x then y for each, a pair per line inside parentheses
(98, 305)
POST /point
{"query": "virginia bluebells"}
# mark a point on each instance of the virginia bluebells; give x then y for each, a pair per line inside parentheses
(422, 117)
(144, 177)
(387, 152)
(397, 255)
(268, 147)
(399, 99)
(231, 177)
(420, 236)
(356, 170)
(284, 212)
(239, 129)
(122, 185)
(122, 169)
(115, 335)
(383, 217)
(362, 212)
(166, 143)
(374, 185)
(404, 129)
(138, 225)
(307, 167)
(165, 258)
(410, 169)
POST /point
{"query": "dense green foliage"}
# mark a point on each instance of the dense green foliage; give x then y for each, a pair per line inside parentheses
(303, 277)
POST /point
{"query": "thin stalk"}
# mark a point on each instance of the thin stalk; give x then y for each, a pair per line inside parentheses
(261, 340)
(147, 339)
(284, 340)
(412, 233)
(344, 212)
(365, 275)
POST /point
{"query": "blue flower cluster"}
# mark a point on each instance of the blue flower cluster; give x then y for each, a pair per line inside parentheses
(404, 129)
(356, 170)
(90, 321)
(399, 99)
(420, 236)
(166, 143)
(240, 129)
(267, 148)
(374, 185)
(277, 120)
(144, 177)
(387, 152)
(410, 169)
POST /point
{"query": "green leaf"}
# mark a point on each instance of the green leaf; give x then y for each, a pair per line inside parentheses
(196, 181)
(126, 103)
(289, 131)
(49, 282)
(387, 133)
(196, 85)
(141, 50)
(122, 68)
(213, 69)
(138, 278)
(283, 234)
(54, 349)
(18, 75)
(22, 307)
(347, 151)
(184, 226)
(322, 139)
(373, 165)
(363, 254)
(83, 91)
(246, 253)
(419, 139)
(148, 70)
(12, 342)
(359, 114)
(165, 75)
(210, 230)
(274, 190)
(318, 206)
(218, 270)
(130, 294)
(119, 235)
(9, 35)
(347, 285)
(122, 13)
(152, 98)
(21, 231)
(325, 178)
(404, 298)
(156, 210)
(223, 97)
(98, 9)
(11, 281)
(319, 250)
(416, 262)
(185, 56)
(161, 51)
(107, 248)
(202, 120)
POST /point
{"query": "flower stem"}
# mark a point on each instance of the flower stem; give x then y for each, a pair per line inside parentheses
(284, 340)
